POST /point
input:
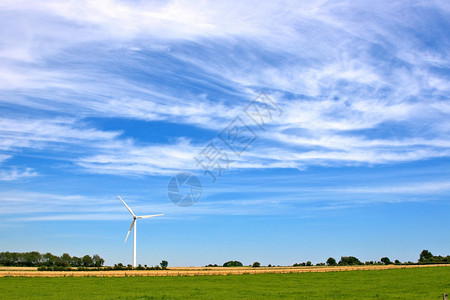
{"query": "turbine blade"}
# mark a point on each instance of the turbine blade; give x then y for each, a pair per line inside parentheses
(150, 216)
(129, 230)
(129, 209)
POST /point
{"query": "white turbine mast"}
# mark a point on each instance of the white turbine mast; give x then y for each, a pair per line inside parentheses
(133, 223)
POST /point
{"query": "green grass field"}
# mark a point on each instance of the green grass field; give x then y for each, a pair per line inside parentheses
(420, 283)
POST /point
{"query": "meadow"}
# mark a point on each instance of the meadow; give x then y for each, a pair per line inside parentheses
(414, 283)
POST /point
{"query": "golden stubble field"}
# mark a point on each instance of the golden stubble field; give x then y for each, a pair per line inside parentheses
(195, 271)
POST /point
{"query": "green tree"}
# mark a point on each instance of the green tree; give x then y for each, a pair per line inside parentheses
(49, 259)
(88, 261)
(76, 261)
(232, 263)
(256, 264)
(61, 263)
(349, 261)
(31, 259)
(425, 255)
(386, 260)
(98, 261)
(331, 261)
(6, 258)
(67, 258)
(164, 264)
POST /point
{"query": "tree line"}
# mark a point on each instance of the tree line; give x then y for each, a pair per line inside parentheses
(162, 266)
(425, 257)
(49, 261)
(36, 259)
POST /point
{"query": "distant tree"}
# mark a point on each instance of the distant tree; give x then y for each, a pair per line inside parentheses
(7, 258)
(397, 262)
(425, 256)
(50, 259)
(232, 263)
(61, 263)
(164, 264)
(88, 261)
(256, 264)
(31, 259)
(331, 261)
(98, 261)
(349, 261)
(212, 265)
(308, 263)
(67, 258)
(36, 259)
(386, 260)
(76, 261)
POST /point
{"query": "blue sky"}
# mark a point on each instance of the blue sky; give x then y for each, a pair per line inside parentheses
(116, 97)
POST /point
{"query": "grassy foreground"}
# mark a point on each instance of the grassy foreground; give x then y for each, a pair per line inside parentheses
(420, 283)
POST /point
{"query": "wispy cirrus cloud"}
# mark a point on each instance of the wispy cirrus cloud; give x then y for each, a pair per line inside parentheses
(270, 200)
(14, 174)
(416, 188)
(29, 132)
(353, 89)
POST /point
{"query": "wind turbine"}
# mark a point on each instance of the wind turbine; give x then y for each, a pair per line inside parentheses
(133, 223)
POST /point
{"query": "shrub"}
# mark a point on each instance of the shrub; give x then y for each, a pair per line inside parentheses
(386, 260)
(331, 261)
(232, 263)
(349, 261)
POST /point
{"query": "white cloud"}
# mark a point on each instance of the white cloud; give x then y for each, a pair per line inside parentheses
(33, 206)
(37, 133)
(341, 79)
(412, 188)
(128, 159)
(14, 174)
(4, 157)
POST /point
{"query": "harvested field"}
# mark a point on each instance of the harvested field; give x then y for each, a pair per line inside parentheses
(195, 271)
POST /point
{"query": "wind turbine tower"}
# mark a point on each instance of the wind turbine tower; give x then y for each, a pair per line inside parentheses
(133, 224)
